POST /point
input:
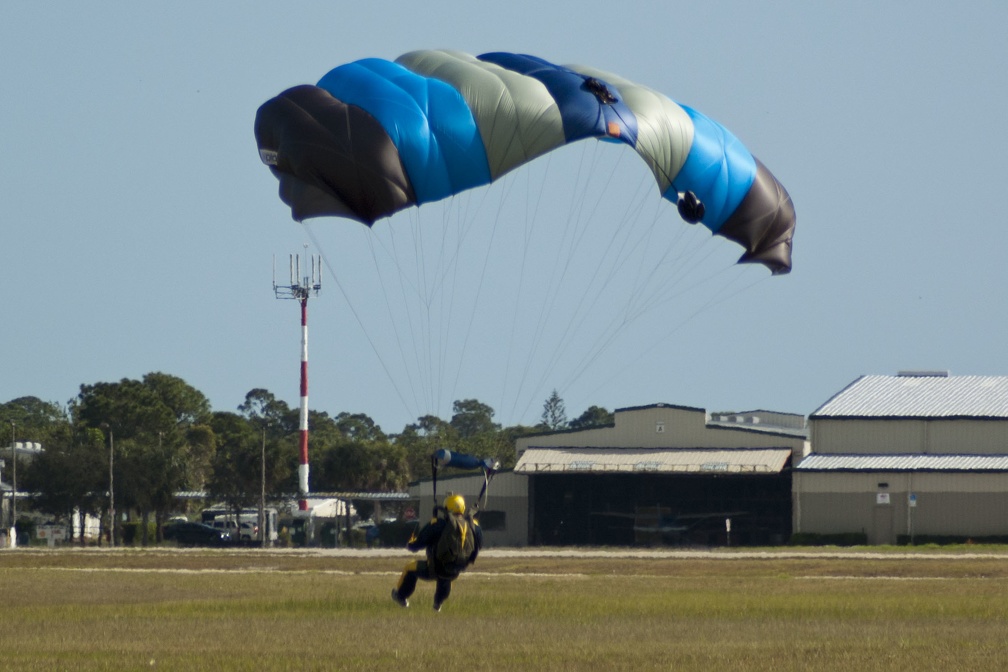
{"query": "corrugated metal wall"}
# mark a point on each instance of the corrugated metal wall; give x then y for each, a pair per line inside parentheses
(663, 427)
(879, 504)
(936, 436)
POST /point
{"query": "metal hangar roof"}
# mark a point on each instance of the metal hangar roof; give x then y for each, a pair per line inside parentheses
(823, 462)
(652, 460)
(919, 395)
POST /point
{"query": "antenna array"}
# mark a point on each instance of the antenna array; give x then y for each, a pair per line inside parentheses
(301, 286)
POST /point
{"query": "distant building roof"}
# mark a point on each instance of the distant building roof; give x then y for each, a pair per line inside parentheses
(822, 462)
(653, 460)
(920, 395)
(790, 424)
(371, 496)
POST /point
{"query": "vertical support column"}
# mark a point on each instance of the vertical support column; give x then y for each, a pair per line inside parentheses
(301, 288)
(303, 426)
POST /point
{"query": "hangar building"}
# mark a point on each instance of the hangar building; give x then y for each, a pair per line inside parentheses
(913, 457)
(504, 519)
(664, 474)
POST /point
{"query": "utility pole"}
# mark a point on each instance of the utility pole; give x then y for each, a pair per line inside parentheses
(262, 491)
(300, 288)
(13, 527)
(111, 485)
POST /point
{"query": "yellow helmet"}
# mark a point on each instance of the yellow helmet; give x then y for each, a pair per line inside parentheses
(454, 504)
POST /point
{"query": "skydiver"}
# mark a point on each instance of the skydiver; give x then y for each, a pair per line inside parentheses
(452, 540)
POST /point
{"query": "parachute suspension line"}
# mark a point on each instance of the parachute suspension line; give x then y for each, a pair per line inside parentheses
(600, 196)
(564, 255)
(531, 215)
(405, 281)
(640, 283)
(427, 291)
(465, 221)
(481, 498)
(479, 287)
(614, 256)
(423, 330)
(433, 466)
(618, 251)
(677, 326)
(682, 258)
(608, 337)
(353, 310)
(426, 305)
(446, 296)
(661, 295)
(454, 216)
(625, 253)
(392, 319)
(627, 250)
(411, 293)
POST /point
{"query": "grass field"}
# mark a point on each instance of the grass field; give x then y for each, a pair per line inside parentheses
(288, 610)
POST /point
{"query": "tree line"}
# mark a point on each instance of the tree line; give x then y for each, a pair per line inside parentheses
(159, 436)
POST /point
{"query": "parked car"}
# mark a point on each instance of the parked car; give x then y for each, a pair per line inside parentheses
(244, 531)
(196, 534)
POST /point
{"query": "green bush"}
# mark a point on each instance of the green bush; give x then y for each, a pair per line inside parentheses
(396, 533)
(132, 532)
(947, 540)
(837, 539)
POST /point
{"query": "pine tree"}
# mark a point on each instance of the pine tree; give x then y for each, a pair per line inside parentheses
(554, 414)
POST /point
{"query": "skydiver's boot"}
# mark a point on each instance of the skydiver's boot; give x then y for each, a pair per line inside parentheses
(441, 593)
(406, 585)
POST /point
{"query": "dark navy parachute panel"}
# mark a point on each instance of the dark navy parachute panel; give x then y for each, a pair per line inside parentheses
(589, 108)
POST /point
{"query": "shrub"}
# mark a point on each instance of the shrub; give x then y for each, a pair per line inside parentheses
(835, 539)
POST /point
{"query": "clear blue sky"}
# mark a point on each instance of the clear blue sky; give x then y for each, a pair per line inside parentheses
(139, 226)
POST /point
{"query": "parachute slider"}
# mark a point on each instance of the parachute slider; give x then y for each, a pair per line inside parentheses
(600, 91)
(691, 208)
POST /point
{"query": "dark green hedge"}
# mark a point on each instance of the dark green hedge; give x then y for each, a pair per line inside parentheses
(838, 539)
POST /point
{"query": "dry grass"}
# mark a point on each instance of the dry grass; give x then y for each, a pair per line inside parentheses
(130, 610)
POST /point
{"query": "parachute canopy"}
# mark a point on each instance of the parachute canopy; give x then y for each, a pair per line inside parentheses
(374, 137)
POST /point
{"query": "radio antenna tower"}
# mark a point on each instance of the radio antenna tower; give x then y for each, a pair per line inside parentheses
(300, 288)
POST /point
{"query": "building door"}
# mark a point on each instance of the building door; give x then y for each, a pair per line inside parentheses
(882, 525)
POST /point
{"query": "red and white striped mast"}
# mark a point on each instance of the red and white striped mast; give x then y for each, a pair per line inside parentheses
(300, 288)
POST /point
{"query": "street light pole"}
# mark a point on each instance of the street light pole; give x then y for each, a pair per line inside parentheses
(262, 492)
(111, 489)
(13, 448)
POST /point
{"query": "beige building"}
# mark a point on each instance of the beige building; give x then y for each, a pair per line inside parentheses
(504, 519)
(917, 456)
(663, 474)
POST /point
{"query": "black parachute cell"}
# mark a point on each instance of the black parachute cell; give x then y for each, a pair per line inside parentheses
(764, 223)
(331, 158)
